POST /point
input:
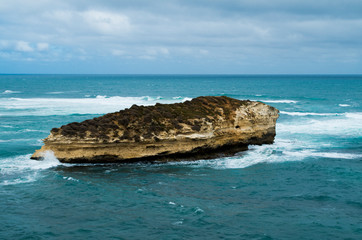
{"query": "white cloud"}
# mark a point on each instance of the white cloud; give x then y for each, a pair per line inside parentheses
(22, 46)
(89, 23)
(147, 57)
(203, 51)
(236, 32)
(117, 52)
(164, 51)
(154, 51)
(106, 22)
(4, 44)
(42, 46)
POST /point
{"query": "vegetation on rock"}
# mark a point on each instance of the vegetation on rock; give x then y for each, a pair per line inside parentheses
(147, 122)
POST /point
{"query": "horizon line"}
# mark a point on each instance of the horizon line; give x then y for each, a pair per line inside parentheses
(194, 74)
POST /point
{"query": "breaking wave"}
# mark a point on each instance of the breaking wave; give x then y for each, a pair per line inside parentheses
(344, 124)
(54, 93)
(289, 146)
(21, 169)
(65, 106)
(10, 92)
(310, 114)
(283, 150)
(279, 101)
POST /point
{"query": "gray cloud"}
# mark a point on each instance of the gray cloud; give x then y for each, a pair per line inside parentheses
(244, 34)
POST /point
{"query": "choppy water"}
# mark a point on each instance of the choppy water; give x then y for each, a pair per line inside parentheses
(308, 185)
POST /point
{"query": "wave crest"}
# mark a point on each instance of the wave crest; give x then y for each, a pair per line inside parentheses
(10, 92)
(279, 101)
(21, 169)
(310, 114)
(100, 104)
(341, 124)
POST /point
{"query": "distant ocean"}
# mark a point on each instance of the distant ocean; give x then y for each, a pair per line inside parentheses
(307, 185)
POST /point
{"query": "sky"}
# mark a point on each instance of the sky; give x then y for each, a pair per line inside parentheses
(181, 37)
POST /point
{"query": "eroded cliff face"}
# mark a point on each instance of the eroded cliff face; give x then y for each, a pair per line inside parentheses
(201, 128)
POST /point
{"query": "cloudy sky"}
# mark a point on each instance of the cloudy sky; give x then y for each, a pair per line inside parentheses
(189, 36)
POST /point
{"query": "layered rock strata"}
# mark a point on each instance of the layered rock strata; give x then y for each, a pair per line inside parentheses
(204, 127)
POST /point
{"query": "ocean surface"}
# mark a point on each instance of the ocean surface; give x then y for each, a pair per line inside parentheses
(307, 185)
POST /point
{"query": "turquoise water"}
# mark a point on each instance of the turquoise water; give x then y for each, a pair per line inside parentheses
(307, 185)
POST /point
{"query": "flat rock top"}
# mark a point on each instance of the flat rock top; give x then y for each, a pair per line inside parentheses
(199, 128)
(143, 123)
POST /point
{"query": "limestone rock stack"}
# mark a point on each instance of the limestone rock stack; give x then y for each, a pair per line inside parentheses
(204, 127)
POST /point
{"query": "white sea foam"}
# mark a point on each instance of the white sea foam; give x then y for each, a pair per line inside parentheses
(283, 150)
(64, 106)
(310, 114)
(198, 210)
(22, 169)
(258, 154)
(279, 101)
(17, 139)
(177, 223)
(71, 179)
(313, 153)
(255, 155)
(32, 130)
(23, 131)
(23, 162)
(54, 92)
(293, 148)
(344, 105)
(346, 124)
(354, 115)
(24, 179)
(10, 92)
(7, 126)
(276, 154)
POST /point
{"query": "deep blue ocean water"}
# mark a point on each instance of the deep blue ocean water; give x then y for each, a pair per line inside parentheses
(307, 185)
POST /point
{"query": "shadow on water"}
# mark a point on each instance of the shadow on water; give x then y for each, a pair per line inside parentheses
(127, 168)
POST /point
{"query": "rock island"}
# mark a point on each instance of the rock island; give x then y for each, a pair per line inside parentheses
(205, 127)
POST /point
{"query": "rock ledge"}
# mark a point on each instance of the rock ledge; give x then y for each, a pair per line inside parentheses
(204, 127)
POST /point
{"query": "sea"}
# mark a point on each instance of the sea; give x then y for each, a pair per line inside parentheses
(307, 185)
